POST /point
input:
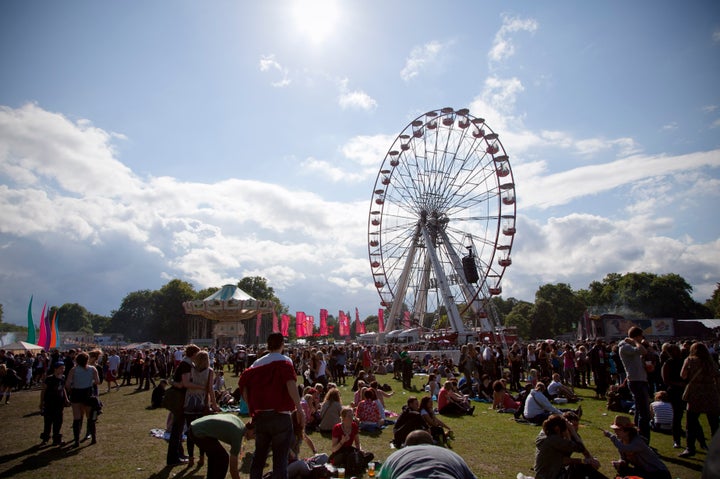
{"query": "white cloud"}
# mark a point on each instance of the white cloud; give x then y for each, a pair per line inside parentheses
(421, 58)
(716, 36)
(560, 188)
(356, 100)
(269, 63)
(503, 46)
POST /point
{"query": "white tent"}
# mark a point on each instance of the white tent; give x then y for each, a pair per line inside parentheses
(21, 346)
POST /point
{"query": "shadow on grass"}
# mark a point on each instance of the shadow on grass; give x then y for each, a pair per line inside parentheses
(36, 457)
(690, 464)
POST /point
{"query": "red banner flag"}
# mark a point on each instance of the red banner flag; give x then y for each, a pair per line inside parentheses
(284, 325)
(309, 325)
(343, 324)
(381, 320)
(258, 320)
(276, 327)
(323, 322)
(406, 320)
(300, 324)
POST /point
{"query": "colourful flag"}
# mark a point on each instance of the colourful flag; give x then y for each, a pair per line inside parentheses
(300, 324)
(55, 332)
(406, 320)
(43, 339)
(258, 320)
(341, 324)
(31, 325)
(284, 325)
(309, 325)
(276, 327)
(381, 320)
(323, 322)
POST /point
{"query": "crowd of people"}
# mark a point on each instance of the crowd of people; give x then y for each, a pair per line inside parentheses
(656, 383)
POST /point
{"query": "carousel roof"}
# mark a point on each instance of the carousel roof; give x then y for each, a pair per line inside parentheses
(230, 303)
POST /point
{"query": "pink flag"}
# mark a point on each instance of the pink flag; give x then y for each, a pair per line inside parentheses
(257, 324)
(323, 322)
(44, 336)
(406, 320)
(341, 324)
(309, 325)
(346, 324)
(381, 320)
(285, 325)
(276, 328)
(300, 324)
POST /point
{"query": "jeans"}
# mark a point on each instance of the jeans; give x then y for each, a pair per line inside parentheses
(175, 447)
(272, 430)
(641, 395)
(218, 459)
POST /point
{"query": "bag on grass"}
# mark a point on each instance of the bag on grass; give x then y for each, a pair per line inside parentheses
(174, 400)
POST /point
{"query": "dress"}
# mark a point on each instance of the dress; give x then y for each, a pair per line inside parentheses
(425, 460)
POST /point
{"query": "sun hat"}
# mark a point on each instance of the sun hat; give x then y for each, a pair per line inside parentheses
(622, 422)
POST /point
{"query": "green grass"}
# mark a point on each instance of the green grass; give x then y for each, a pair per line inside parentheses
(493, 444)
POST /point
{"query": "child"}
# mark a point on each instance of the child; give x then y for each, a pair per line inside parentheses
(157, 394)
(532, 377)
(53, 399)
(433, 387)
(661, 412)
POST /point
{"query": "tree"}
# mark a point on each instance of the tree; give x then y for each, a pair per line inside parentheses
(170, 321)
(135, 317)
(99, 323)
(713, 304)
(568, 308)
(542, 319)
(521, 318)
(73, 317)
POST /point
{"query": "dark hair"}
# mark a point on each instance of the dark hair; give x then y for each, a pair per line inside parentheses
(82, 359)
(552, 422)
(275, 341)
(635, 331)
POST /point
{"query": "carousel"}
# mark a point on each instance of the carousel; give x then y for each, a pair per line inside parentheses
(223, 315)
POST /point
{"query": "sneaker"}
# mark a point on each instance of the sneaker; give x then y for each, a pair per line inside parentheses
(676, 445)
(471, 411)
(686, 453)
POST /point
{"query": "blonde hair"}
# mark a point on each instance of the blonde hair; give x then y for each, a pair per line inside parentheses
(202, 360)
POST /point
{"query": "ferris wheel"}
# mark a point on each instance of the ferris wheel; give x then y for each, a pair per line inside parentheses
(442, 222)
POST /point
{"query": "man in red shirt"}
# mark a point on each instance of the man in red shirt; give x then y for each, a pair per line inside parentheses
(269, 387)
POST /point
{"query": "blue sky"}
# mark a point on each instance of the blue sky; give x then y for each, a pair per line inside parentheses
(208, 141)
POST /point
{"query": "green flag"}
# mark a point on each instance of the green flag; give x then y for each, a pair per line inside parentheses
(31, 324)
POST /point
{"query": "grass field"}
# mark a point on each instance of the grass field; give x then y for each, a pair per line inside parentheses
(493, 444)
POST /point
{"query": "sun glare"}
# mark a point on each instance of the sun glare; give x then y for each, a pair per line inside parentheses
(316, 19)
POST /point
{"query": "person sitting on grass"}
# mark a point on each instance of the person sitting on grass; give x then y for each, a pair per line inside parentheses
(434, 424)
(556, 389)
(450, 401)
(554, 446)
(158, 393)
(538, 407)
(408, 421)
(636, 457)
(661, 412)
(368, 412)
(502, 400)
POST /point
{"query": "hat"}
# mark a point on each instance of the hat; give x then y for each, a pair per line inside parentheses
(622, 422)
(58, 364)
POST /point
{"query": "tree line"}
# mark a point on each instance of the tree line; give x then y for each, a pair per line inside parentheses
(159, 315)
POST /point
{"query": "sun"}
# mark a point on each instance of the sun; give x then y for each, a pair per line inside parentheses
(316, 19)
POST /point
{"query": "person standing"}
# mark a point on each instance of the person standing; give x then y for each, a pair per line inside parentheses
(675, 385)
(81, 380)
(702, 395)
(269, 387)
(632, 350)
(53, 399)
(181, 380)
(113, 363)
(209, 431)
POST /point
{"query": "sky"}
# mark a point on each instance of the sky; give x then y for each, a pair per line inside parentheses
(142, 142)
